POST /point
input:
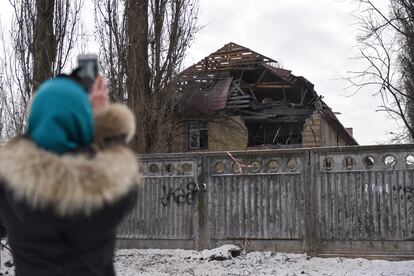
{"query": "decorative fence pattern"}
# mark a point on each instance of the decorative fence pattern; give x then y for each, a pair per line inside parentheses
(260, 200)
(364, 199)
(341, 201)
(165, 213)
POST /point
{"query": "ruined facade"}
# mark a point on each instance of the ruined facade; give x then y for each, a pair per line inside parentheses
(236, 99)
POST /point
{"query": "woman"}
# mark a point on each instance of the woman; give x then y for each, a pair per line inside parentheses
(67, 184)
(3, 234)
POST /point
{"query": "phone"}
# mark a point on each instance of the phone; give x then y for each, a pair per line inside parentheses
(89, 69)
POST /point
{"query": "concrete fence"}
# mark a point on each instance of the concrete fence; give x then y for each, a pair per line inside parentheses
(330, 201)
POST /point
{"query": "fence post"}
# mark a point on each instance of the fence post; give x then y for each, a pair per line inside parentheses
(310, 207)
(202, 234)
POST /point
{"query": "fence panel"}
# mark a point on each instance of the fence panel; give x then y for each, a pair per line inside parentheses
(364, 200)
(164, 215)
(256, 199)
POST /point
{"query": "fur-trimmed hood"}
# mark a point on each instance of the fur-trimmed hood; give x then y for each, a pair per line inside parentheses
(74, 183)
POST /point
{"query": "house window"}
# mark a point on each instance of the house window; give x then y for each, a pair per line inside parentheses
(197, 135)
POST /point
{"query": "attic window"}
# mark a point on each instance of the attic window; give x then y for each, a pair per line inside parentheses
(197, 135)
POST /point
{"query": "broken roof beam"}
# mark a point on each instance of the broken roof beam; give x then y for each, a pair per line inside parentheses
(271, 108)
(282, 119)
(288, 112)
(261, 77)
(275, 84)
(201, 77)
(241, 101)
(236, 85)
(212, 68)
(229, 60)
(240, 97)
(303, 91)
(237, 106)
(230, 56)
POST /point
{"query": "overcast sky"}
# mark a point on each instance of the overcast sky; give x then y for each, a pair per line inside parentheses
(313, 38)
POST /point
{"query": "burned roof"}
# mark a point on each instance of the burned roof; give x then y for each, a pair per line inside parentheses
(239, 81)
(230, 57)
(209, 99)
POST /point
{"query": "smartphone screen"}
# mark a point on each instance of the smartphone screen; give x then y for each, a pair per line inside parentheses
(89, 69)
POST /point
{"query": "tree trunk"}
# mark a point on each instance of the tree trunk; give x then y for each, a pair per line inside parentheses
(137, 69)
(44, 42)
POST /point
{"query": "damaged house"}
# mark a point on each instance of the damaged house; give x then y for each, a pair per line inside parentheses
(236, 99)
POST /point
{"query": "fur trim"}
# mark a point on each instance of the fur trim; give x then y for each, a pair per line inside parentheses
(114, 121)
(70, 183)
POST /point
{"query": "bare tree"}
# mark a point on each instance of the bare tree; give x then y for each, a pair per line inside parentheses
(387, 46)
(143, 44)
(17, 67)
(404, 13)
(111, 34)
(172, 29)
(42, 36)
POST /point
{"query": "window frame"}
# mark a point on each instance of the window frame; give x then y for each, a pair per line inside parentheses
(197, 127)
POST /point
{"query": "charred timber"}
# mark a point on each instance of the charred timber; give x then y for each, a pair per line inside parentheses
(276, 119)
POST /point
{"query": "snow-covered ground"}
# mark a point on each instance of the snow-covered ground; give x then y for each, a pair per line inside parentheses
(220, 261)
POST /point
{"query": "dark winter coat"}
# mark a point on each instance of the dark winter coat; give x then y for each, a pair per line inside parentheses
(61, 212)
(3, 231)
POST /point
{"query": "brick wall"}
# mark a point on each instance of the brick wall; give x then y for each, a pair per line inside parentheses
(317, 132)
(227, 134)
(223, 134)
(311, 135)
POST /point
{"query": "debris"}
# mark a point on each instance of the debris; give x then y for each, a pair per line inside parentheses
(225, 252)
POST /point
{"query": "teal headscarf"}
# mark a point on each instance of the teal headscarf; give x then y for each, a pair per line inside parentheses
(61, 117)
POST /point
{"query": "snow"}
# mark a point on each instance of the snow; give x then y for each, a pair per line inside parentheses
(147, 262)
(6, 267)
(188, 262)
